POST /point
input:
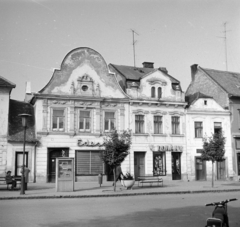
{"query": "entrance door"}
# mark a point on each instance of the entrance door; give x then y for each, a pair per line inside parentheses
(19, 162)
(176, 165)
(221, 170)
(200, 169)
(139, 164)
(54, 153)
(238, 163)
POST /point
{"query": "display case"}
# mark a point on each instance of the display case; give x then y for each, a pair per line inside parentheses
(64, 174)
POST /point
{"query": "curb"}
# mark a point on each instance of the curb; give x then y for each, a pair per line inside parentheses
(116, 195)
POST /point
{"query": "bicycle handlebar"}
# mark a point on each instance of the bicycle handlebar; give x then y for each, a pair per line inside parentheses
(220, 203)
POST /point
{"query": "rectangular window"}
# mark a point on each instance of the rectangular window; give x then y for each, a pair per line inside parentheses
(88, 163)
(217, 127)
(176, 125)
(109, 122)
(157, 124)
(58, 120)
(159, 163)
(84, 120)
(198, 129)
(237, 143)
(139, 123)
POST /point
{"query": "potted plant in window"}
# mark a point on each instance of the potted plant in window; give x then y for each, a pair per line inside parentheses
(128, 180)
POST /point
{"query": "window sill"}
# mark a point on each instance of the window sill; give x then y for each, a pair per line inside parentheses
(198, 138)
(140, 134)
(161, 135)
(177, 135)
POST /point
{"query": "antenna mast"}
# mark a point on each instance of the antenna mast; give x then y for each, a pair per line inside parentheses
(134, 41)
(225, 41)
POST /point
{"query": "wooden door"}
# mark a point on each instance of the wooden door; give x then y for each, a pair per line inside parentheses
(139, 164)
(200, 166)
(176, 165)
(221, 170)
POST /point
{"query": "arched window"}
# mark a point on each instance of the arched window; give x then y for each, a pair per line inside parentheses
(153, 92)
(159, 92)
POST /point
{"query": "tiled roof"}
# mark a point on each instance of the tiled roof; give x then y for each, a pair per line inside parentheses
(15, 128)
(229, 81)
(194, 97)
(5, 83)
(137, 73)
(132, 73)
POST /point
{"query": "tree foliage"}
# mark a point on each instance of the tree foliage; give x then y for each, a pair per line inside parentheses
(214, 147)
(116, 147)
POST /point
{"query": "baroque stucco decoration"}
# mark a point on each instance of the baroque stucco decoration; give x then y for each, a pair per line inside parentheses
(84, 72)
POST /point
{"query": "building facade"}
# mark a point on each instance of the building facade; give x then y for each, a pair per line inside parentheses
(204, 117)
(224, 87)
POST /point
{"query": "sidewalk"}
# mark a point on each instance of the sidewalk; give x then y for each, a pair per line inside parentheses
(92, 189)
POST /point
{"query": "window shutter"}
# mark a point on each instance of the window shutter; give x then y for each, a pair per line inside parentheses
(83, 162)
(96, 163)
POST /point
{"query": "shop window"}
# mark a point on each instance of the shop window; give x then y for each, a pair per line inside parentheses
(153, 92)
(84, 120)
(157, 124)
(175, 125)
(217, 127)
(159, 163)
(88, 163)
(58, 118)
(109, 121)
(139, 123)
(198, 129)
(159, 92)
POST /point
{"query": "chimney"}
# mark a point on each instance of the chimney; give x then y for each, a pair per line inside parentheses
(148, 65)
(194, 69)
(163, 69)
(28, 93)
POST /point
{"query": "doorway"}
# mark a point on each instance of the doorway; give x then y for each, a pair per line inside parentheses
(54, 153)
(139, 164)
(19, 162)
(221, 170)
(200, 166)
(176, 165)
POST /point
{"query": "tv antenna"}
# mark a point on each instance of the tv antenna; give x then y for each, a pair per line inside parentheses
(134, 42)
(225, 43)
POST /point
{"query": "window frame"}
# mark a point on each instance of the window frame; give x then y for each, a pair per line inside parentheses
(198, 130)
(157, 126)
(64, 120)
(139, 123)
(84, 121)
(159, 93)
(175, 125)
(109, 121)
(153, 92)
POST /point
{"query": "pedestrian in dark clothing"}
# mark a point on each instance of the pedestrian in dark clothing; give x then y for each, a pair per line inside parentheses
(9, 180)
(119, 173)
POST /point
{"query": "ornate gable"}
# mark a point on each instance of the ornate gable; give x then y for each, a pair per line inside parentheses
(84, 72)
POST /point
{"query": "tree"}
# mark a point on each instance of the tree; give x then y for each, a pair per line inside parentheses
(116, 149)
(214, 149)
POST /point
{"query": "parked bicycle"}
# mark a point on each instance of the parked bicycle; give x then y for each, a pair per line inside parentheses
(220, 215)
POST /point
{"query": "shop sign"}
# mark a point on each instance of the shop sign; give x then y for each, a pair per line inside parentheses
(87, 143)
(170, 148)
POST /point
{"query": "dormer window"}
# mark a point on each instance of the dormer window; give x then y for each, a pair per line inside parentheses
(153, 92)
(159, 92)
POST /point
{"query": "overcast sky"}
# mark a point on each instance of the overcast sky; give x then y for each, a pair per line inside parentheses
(36, 35)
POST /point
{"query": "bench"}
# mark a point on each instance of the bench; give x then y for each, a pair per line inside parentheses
(150, 180)
(3, 182)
